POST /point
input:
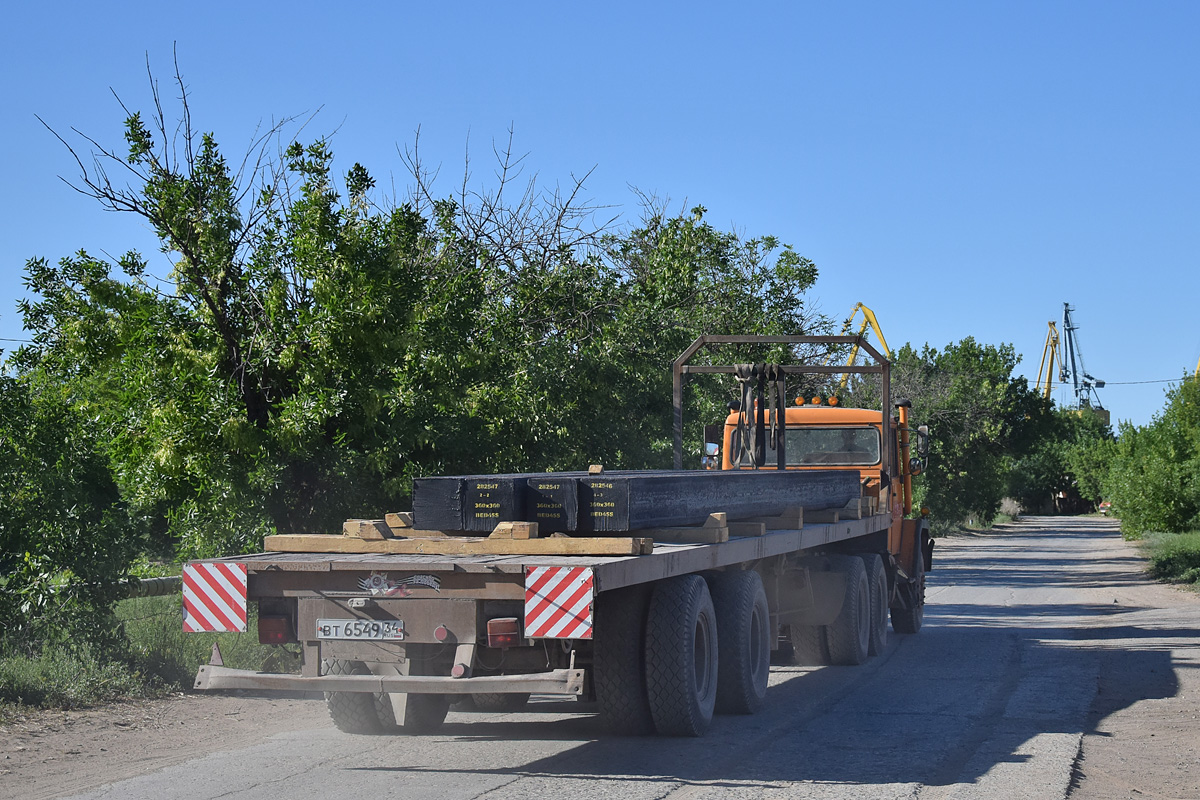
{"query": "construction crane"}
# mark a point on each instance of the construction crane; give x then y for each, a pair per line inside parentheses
(1051, 355)
(1073, 371)
(868, 321)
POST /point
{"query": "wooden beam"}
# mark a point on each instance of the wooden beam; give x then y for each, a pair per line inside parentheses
(399, 519)
(790, 520)
(743, 529)
(373, 529)
(515, 530)
(447, 545)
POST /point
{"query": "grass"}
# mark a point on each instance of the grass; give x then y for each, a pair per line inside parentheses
(156, 658)
(1174, 557)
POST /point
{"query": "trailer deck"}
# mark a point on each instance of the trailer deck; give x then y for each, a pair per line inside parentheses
(609, 572)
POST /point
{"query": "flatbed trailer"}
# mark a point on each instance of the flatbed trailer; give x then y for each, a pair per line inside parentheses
(661, 639)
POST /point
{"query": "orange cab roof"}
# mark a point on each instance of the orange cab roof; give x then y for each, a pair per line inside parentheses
(822, 415)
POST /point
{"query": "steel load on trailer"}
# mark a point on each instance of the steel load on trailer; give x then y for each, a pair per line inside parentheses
(662, 624)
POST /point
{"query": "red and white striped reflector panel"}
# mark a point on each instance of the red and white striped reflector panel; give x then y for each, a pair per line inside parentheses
(558, 602)
(214, 598)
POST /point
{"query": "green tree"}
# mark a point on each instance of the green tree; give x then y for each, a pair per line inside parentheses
(1068, 457)
(980, 417)
(66, 539)
(1152, 481)
(311, 351)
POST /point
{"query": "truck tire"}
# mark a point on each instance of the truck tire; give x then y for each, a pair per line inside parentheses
(877, 584)
(424, 713)
(352, 712)
(809, 645)
(744, 631)
(849, 635)
(619, 663)
(491, 701)
(910, 618)
(681, 656)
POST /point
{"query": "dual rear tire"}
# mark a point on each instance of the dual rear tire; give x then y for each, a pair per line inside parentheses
(668, 659)
(367, 713)
(860, 629)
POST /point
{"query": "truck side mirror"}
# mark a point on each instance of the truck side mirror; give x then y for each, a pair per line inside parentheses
(923, 440)
(710, 459)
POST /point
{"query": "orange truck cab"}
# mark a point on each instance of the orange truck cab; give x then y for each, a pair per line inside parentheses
(829, 437)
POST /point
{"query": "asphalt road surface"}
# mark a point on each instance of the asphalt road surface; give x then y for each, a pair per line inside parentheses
(1047, 667)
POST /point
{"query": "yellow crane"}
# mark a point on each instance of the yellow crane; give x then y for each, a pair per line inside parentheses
(868, 321)
(1051, 356)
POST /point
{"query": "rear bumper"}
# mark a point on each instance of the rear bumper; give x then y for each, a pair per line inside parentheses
(559, 681)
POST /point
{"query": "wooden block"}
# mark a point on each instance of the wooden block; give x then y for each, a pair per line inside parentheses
(515, 530)
(790, 520)
(824, 516)
(366, 529)
(595, 469)
(853, 510)
(448, 546)
(742, 529)
(702, 534)
(399, 519)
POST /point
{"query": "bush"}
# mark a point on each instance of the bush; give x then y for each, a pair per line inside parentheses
(1175, 557)
(167, 657)
(1153, 482)
(157, 658)
(61, 676)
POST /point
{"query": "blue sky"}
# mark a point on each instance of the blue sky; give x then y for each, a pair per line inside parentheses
(962, 168)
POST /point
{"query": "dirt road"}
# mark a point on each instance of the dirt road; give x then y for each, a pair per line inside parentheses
(1048, 667)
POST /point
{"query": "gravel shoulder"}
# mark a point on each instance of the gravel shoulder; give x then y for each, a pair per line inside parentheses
(50, 754)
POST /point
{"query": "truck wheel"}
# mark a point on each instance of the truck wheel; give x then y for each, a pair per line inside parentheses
(809, 645)
(877, 586)
(352, 712)
(491, 701)
(744, 630)
(619, 664)
(849, 635)
(681, 656)
(908, 620)
(424, 713)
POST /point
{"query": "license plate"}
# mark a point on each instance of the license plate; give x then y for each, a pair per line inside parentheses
(368, 629)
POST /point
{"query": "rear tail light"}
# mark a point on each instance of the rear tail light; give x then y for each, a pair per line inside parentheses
(275, 630)
(503, 632)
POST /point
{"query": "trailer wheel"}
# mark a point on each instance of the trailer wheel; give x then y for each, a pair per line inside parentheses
(618, 661)
(424, 713)
(909, 619)
(492, 701)
(681, 656)
(352, 712)
(877, 584)
(809, 645)
(849, 635)
(744, 631)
